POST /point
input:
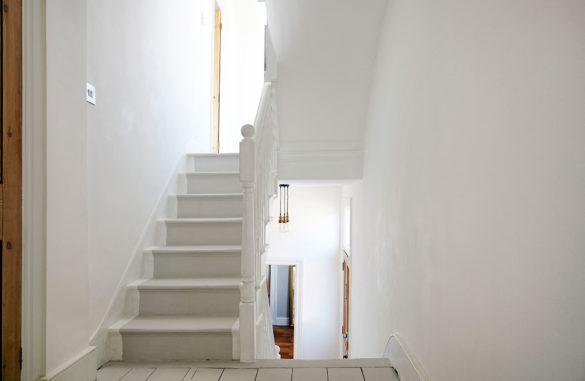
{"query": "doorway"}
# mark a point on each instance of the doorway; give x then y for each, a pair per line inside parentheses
(11, 188)
(345, 275)
(281, 283)
(216, 80)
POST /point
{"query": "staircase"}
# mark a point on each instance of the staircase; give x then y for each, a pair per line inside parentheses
(189, 310)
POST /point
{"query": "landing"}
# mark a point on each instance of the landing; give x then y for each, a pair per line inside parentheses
(262, 370)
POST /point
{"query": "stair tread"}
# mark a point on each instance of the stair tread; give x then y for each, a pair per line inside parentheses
(208, 154)
(189, 283)
(201, 220)
(197, 248)
(203, 195)
(170, 324)
(196, 173)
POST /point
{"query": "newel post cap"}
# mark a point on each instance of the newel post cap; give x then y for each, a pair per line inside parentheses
(247, 130)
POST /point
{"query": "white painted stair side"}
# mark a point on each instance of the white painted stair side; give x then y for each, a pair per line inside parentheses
(196, 261)
(203, 231)
(213, 162)
(207, 205)
(213, 182)
(189, 310)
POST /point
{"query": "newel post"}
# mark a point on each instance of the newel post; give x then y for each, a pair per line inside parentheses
(248, 286)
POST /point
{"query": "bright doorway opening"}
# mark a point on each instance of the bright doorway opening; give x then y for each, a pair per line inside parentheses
(281, 283)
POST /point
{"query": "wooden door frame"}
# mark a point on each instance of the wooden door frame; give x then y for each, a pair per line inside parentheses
(11, 233)
(345, 253)
(216, 81)
(34, 190)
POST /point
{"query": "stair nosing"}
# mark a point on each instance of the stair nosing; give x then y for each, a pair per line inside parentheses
(175, 284)
(211, 154)
(200, 173)
(204, 195)
(204, 249)
(200, 220)
(167, 324)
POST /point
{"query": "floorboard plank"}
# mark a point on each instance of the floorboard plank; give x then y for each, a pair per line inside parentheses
(169, 374)
(112, 374)
(309, 374)
(138, 374)
(239, 375)
(380, 374)
(274, 374)
(345, 374)
(207, 374)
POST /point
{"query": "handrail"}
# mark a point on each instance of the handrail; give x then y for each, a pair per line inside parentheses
(258, 155)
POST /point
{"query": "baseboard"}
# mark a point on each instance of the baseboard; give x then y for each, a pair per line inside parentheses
(135, 269)
(280, 321)
(320, 165)
(82, 367)
(405, 363)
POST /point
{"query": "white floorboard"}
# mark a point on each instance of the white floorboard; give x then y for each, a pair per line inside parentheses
(309, 374)
(112, 374)
(169, 374)
(138, 374)
(274, 374)
(238, 375)
(204, 374)
(345, 374)
(380, 374)
(262, 370)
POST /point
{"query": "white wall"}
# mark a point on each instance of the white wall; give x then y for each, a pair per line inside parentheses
(325, 51)
(469, 225)
(67, 288)
(108, 165)
(279, 295)
(312, 241)
(242, 68)
(151, 65)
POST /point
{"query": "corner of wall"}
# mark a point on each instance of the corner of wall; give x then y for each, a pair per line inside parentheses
(80, 368)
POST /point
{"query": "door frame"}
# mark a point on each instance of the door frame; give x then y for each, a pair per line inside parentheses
(298, 303)
(345, 254)
(34, 189)
(11, 229)
(216, 79)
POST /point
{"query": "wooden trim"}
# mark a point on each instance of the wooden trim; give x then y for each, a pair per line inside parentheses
(290, 297)
(12, 184)
(216, 82)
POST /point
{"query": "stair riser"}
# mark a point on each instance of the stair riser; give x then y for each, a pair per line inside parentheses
(204, 233)
(197, 265)
(227, 163)
(199, 302)
(206, 207)
(177, 347)
(213, 183)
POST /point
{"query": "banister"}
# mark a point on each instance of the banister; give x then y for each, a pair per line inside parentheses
(258, 177)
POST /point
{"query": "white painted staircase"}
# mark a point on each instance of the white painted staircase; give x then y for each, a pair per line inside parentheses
(189, 310)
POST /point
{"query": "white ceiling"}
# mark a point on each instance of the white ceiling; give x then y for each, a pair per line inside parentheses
(325, 51)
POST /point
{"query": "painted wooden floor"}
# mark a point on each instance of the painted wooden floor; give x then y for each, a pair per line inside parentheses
(284, 337)
(268, 370)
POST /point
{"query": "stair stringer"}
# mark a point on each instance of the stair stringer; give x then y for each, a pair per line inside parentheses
(122, 301)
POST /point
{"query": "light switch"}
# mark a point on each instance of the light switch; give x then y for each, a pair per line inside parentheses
(90, 93)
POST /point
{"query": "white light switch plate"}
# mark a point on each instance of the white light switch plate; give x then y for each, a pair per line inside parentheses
(90, 93)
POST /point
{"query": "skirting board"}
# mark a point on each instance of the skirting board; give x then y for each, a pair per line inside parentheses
(82, 367)
(403, 360)
(280, 321)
